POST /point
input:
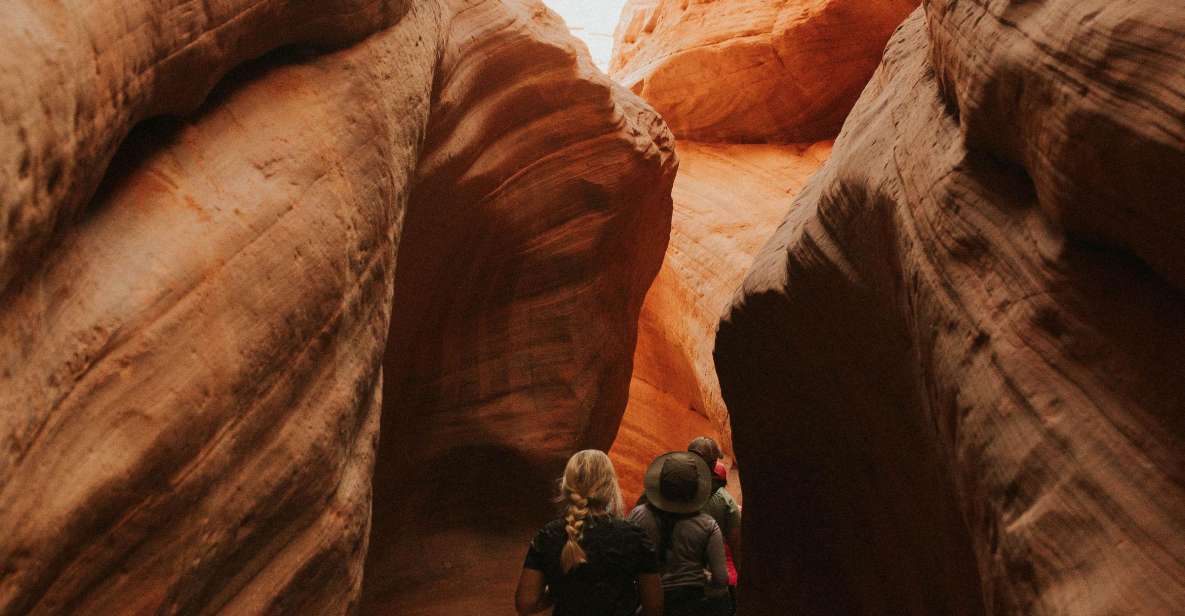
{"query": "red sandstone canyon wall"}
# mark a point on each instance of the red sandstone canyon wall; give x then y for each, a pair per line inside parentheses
(728, 198)
(538, 218)
(194, 356)
(747, 71)
(190, 384)
(726, 74)
(954, 371)
(78, 77)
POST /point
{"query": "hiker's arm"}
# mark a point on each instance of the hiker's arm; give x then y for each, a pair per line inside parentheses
(650, 589)
(733, 536)
(734, 544)
(717, 564)
(531, 596)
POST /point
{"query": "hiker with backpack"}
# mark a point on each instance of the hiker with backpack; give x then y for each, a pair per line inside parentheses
(689, 543)
(723, 508)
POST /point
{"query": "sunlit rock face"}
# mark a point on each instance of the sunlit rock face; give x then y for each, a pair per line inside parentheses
(723, 74)
(195, 360)
(190, 371)
(728, 199)
(753, 70)
(77, 78)
(955, 371)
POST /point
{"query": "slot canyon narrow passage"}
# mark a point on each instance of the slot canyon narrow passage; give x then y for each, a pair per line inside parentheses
(304, 306)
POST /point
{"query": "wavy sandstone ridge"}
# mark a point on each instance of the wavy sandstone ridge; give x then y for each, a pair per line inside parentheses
(784, 71)
(195, 367)
(192, 373)
(77, 78)
(966, 337)
(538, 219)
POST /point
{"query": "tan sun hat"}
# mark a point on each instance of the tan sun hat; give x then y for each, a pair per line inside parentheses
(678, 482)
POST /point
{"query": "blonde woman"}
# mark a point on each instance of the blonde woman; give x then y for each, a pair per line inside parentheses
(590, 562)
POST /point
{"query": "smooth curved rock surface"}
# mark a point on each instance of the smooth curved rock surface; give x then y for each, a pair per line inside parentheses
(743, 71)
(1107, 130)
(191, 378)
(192, 373)
(975, 379)
(728, 199)
(539, 217)
(78, 77)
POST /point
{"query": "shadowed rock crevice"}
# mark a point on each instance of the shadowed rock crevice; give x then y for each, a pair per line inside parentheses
(1029, 370)
(726, 74)
(849, 508)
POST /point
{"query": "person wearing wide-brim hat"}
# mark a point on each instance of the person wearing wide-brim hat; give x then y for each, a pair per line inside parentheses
(689, 543)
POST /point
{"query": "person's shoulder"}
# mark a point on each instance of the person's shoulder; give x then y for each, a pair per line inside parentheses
(705, 521)
(545, 545)
(632, 531)
(638, 513)
(721, 505)
(627, 524)
(554, 528)
(631, 525)
(721, 497)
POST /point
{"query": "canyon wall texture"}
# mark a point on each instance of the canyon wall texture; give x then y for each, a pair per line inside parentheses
(955, 370)
(194, 356)
(538, 218)
(79, 77)
(190, 384)
(724, 74)
(742, 71)
(728, 199)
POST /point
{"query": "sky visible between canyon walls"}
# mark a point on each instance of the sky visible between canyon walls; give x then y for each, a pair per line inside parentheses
(592, 21)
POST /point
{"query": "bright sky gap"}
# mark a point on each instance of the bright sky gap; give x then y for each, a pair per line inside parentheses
(593, 22)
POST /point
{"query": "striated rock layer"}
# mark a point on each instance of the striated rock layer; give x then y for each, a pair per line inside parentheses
(955, 371)
(191, 378)
(193, 367)
(728, 199)
(539, 216)
(77, 78)
(753, 70)
(720, 72)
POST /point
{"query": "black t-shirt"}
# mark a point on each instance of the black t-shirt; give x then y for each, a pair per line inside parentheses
(617, 552)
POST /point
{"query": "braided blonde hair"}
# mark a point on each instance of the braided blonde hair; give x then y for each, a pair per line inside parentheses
(589, 486)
